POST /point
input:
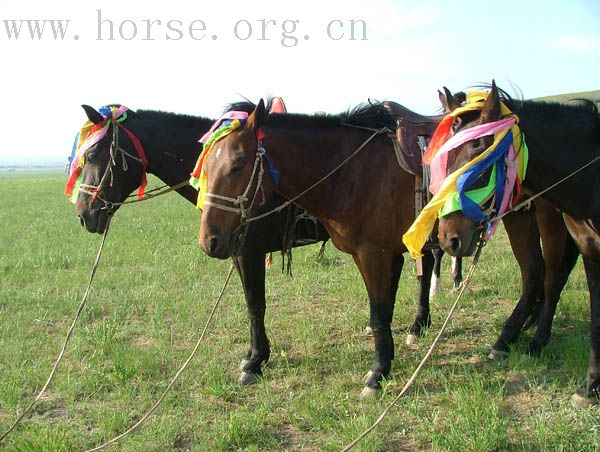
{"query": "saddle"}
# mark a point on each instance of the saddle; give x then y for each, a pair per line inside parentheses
(277, 106)
(413, 132)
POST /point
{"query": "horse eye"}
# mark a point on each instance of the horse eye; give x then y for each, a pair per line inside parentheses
(237, 166)
(456, 123)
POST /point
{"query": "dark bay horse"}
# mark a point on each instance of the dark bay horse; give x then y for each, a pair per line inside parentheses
(365, 206)
(171, 146)
(561, 138)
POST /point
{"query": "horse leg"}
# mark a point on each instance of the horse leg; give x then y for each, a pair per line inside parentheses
(524, 241)
(434, 289)
(586, 236)
(589, 392)
(397, 264)
(251, 268)
(457, 272)
(376, 270)
(560, 256)
(422, 317)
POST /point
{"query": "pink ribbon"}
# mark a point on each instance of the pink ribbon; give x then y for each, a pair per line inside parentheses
(241, 115)
(439, 164)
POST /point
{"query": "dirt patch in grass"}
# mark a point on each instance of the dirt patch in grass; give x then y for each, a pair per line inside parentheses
(292, 438)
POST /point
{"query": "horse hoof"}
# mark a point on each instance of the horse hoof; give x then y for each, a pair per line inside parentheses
(579, 401)
(367, 376)
(243, 364)
(369, 393)
(411, 339)
(369, 331)
(248, 378)
(497, 355)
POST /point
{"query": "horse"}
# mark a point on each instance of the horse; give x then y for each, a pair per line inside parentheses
(170, 142)
(561, 138)
(365, 204)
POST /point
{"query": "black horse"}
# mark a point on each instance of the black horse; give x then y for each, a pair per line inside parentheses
(561, 138)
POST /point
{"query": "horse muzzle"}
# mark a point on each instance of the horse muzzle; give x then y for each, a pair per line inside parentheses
(220, 245)
(94, 221)
(458, 235)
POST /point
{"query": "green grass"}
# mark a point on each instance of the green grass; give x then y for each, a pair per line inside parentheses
(153, 293)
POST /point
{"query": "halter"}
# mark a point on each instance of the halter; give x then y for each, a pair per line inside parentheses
(90, 135)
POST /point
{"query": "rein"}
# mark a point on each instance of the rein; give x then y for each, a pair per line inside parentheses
(322, 179)
(529, 200)
(67, 337)
(418, 369)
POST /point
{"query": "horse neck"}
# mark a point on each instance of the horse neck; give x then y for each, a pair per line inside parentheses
(559, 145)
(172, 148)
(304, 155)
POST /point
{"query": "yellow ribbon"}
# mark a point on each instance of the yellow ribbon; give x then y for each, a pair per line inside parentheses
(420, 230)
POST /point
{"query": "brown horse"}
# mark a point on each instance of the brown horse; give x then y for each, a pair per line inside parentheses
(561, 139)
(365, 206)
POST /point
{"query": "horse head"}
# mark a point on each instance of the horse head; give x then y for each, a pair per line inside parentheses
(234, 181)
(459, 233)
(107, 165)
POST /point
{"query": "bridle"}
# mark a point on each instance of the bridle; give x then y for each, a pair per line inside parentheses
(108, 177)
(115, 120)
(239, 204)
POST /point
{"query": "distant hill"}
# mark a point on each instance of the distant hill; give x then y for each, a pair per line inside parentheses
(591, 95)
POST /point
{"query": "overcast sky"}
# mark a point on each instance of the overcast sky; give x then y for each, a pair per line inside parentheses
(402, 50)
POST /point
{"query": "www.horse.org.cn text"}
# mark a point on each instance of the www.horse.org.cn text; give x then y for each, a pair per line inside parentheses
(284, 32)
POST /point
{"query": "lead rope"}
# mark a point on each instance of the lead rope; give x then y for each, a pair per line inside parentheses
(529, 200)
(177, 375)
(417, 371)
(322, 179)
(67, 338)
(463, 287)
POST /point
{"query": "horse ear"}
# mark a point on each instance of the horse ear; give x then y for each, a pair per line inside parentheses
(491, 108)
(449, 102)
(257, 117)
(92, 114)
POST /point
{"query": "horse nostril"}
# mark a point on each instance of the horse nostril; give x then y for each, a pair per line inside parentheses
(81, 220)
(213, 244)
(455, 244)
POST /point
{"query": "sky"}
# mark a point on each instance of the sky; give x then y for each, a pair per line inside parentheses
(195, 57)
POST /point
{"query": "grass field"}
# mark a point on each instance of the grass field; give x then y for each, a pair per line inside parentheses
(153, 293)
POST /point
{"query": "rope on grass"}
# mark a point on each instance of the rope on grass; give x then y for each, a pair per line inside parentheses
(175, 378)
(415, 374)
(67, 338)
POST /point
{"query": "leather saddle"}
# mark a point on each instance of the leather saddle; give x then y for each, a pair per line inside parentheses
(413, 132)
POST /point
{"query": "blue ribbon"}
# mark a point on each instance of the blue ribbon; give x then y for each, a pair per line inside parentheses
(469, 207)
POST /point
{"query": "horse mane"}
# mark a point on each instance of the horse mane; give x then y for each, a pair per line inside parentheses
(368, 114)
(182, 119)
(575, 109)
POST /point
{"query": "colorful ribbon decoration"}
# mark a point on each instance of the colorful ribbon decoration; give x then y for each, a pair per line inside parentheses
(451, 191)
(89, 135)
(221, 128)
(226, 124)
